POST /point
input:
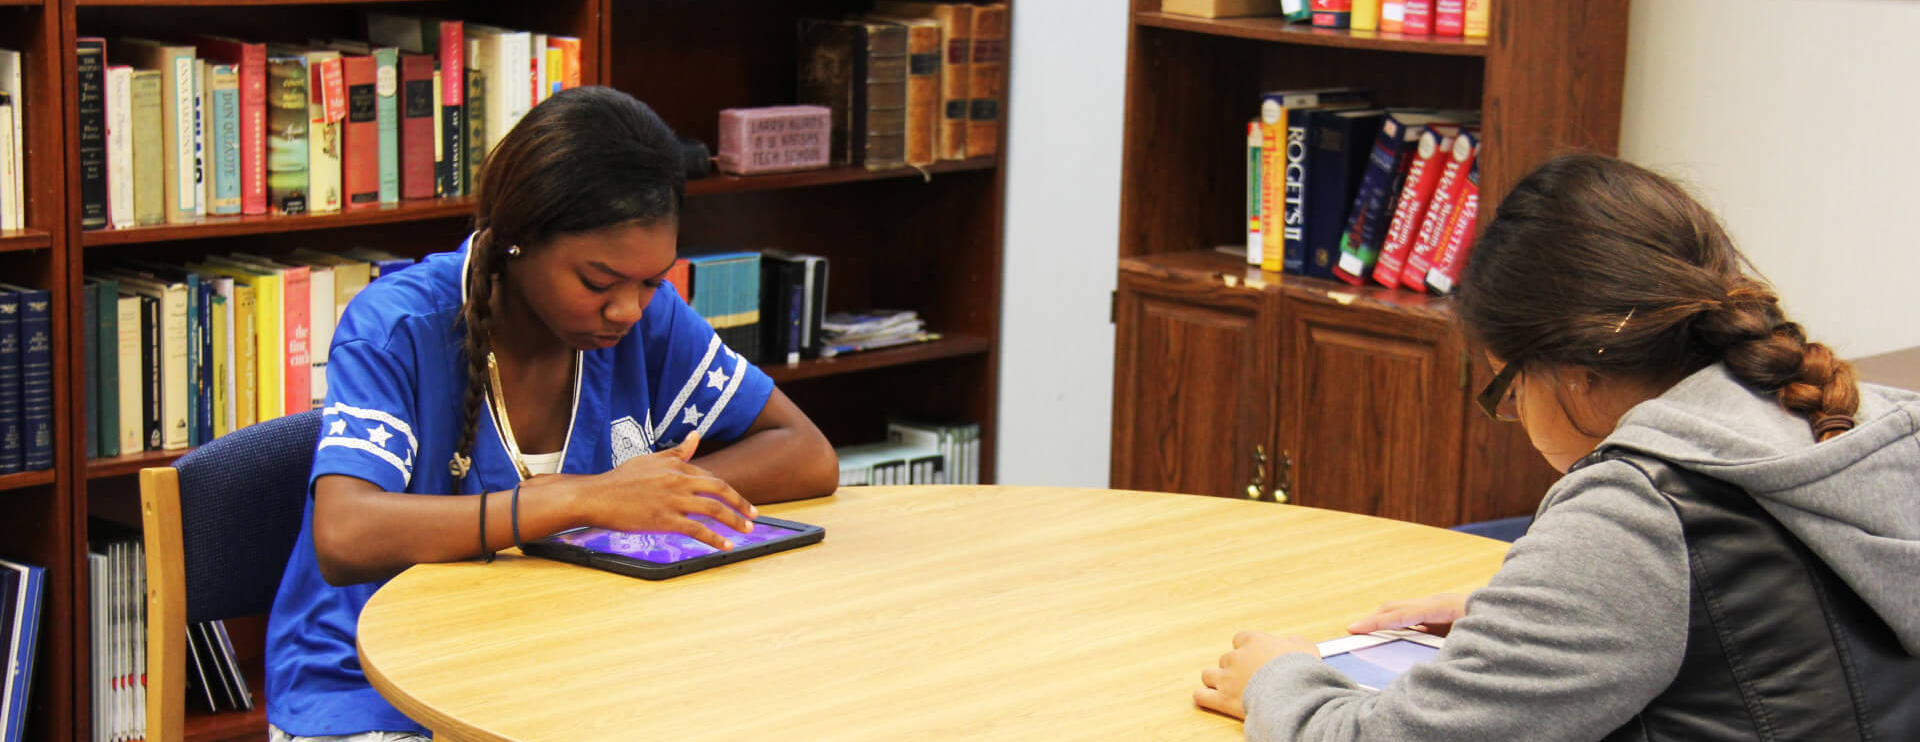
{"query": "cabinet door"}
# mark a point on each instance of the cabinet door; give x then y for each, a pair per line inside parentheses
(1370, 411)
(1193, 386)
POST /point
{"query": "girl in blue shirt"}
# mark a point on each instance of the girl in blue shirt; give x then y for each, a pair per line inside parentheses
(545, 361)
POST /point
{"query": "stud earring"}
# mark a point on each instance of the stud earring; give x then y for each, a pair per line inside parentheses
(513, 252)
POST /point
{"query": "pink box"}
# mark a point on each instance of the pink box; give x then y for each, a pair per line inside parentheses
(774, 139)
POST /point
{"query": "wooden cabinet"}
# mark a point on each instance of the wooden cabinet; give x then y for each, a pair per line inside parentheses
(1357, 399)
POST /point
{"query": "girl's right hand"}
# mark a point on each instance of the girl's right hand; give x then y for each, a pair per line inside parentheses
(1435, 612)
(658, 491)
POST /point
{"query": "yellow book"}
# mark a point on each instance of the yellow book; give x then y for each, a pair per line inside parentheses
(246, 357)
(221, 423)
(270, 341)
(556, 70)
(1365, 16)
(1479, 13)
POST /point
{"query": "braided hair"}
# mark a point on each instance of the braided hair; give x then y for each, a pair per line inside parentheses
(1596, 263)
(587, 158)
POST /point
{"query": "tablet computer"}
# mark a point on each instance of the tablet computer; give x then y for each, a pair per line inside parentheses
(657, 555)
(1374, 660)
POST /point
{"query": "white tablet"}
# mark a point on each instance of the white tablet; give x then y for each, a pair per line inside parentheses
(1374, 660)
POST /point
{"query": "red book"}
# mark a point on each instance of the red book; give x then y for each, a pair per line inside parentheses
(1419, 18)
(1411, 207)
(295, 303)
(360, 163)
(1449, 17)
(251, 61)
(1453, 257)
(1331, 13)
(569, 60)
(681, 276)
(1446, 195)
(416, 126)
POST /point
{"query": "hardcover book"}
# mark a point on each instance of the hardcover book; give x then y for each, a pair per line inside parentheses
(287, 134)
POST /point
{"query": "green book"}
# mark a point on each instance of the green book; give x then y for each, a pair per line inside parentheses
(107, 335)
(386, 113)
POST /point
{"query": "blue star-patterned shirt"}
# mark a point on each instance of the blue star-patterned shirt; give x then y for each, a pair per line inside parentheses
(396, 376)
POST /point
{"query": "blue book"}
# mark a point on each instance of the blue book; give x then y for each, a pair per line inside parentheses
(1338, 143)
(23, 585)
(12, 433)
(36, 377)
(203, 383)
(224, 141)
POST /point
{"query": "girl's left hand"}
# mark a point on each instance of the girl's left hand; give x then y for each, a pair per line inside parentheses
(1251, 651)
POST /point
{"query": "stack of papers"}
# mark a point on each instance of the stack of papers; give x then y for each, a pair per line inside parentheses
(846, 332)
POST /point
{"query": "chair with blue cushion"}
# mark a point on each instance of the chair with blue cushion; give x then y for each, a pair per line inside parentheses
(1504, 529)
(220, 524)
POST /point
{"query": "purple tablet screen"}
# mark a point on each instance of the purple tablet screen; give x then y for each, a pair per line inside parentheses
(1378, 665)
(666, 547)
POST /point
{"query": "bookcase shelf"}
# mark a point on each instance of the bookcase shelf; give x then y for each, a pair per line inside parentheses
(131, 463)
(948, 346)
(23, 479)
(24, 239)
(1277, 30)
(230, 226)
(720, 184)
(35, 3)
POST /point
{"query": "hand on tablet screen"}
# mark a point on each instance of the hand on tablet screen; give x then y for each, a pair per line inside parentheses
(1436, 613)
(1224, 685)
(659, 491)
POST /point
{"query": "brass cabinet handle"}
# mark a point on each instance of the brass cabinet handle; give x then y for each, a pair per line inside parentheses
(1283, 477)
(1259, 480)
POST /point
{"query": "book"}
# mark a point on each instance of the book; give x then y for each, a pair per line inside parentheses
(23, 585)
(505, 59)
(1331, 13)
(287, 149)
(476, 134)
(249, 61)
(149, 166)
(1410, 207)
(887, 463)
(12, 429)
(988, 85)
(417, 143)
(91, 87)
(350, 276)
(152, 388)
(202, 163)
(444, 42)
(569, 49)
(1446, 194)
(813, 291)
(243, 343)
(726, 292)
(35, 376)
(360, 173)
(1374, 202)
(127, 359)
(13, 87)
(176, 385)
(270, 362)
(90, 367)
(295, 307)
(537, 49)
(1458, 241)
(1393, 15)
(1220, 8)
(956, 71)
(221, 333)
(1365, 15)
(858, 70)
(223, 144)
(1418, 18)
(1479, 15)
(181, 184)
(119, 147)
(923, 87)
(1449, 17)
(1255, 139)
(1338, 142)
(11, 205)
(783, 303)
(1281, 174)
(326, 117)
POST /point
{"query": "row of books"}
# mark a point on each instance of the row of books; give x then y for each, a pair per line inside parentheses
(1337, 188)
(26, 379)
(118, 634)
(915, 452)
(22, 586)
(767, 305)
(177, 355)
(13, 145)
(909, 83)
(1457, 18)
(172, 132)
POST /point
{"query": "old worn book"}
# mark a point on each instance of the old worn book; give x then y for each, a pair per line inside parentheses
(858, 70)
(989, 83)
(956, 69)
(923, 87)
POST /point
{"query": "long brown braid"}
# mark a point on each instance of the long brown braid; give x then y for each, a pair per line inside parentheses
(1596, 263)
(586, 158)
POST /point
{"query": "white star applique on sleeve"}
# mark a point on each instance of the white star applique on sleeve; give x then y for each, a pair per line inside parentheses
(379, 435)
(717, 378)
(339, 427)
(692, 415)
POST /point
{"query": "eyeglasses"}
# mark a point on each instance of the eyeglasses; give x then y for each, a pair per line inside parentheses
(1498, 399)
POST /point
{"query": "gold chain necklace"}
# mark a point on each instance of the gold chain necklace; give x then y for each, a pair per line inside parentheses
(499, 401)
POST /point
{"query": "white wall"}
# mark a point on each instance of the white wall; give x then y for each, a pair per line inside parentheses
(1794, 120)
(1062, 240)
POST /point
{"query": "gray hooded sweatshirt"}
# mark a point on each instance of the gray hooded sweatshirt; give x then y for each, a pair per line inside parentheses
(1586, 622)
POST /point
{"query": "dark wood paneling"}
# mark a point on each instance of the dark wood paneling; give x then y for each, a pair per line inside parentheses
(1552, 87)
(1192, 386)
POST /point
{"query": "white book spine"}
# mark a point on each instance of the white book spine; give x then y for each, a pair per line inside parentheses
(173, 370)
(120, 146)
(11, 83)
(320, 329)
(186, 181)
(537, 46)
(128, 346)
(10, 207)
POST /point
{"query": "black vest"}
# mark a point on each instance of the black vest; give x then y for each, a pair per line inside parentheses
(1778, 647)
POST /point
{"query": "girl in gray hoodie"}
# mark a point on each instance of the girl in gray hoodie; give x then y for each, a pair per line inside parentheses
(1621, 318)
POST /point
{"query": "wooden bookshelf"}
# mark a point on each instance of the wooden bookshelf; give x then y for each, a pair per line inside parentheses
(1279, 31)
(927, 240)
(24, 239)
(1262, 381)
(24, 479)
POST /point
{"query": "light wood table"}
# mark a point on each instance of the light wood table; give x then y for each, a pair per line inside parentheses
(978, 613)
